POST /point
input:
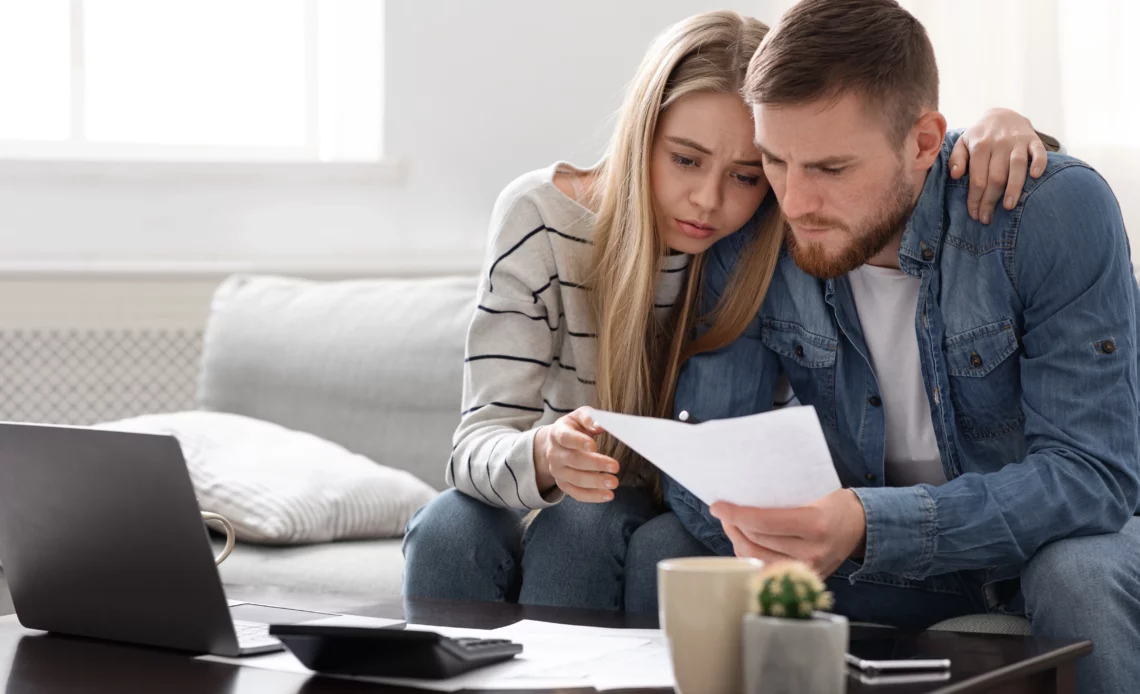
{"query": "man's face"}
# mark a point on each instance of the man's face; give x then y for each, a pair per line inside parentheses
(841, 182)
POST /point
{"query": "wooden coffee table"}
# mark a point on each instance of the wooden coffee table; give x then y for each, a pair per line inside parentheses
(34, 662)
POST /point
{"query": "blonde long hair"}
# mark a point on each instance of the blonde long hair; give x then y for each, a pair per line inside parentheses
(639, 356)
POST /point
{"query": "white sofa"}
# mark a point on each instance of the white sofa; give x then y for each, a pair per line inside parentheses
(373, 365)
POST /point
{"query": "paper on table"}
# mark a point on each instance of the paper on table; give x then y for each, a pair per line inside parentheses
(548, 661)
(770, 460)
(647, 666)
(530, 627)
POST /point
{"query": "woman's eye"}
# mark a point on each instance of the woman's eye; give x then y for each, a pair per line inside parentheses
(747, 180)
(684, 161)
(831, 171)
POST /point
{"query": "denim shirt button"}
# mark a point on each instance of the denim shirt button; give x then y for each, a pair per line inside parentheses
(1108, 347)
(800, 351)
(870, 476)
(975, 360)
(927, 254)
(875, 401)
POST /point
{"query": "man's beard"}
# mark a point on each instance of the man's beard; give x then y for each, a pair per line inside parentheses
(864, 243)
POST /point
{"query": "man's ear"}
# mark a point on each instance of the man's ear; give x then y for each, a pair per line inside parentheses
(929, 131)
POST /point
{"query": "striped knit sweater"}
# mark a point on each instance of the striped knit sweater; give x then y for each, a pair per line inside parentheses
(531, 346)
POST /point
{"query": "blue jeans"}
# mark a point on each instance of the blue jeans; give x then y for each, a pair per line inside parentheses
(1077, 588)
(570, 555)
(661, 538)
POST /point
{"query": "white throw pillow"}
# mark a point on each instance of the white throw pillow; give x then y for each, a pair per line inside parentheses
(279, 486)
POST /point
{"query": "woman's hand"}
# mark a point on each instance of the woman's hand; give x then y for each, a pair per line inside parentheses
(566, 455)
(998, 148)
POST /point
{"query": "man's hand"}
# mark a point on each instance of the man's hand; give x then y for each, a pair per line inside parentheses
(823, 534)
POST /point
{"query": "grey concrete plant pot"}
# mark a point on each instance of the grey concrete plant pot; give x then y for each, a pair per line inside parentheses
(792, 656)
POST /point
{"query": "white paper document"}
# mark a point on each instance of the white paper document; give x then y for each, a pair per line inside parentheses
(776, 459)
(555, 656)
(642, 667)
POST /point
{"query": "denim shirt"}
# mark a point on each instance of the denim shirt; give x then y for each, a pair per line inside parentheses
(1027, 335)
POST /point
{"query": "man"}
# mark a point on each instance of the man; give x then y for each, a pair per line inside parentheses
(978, 385)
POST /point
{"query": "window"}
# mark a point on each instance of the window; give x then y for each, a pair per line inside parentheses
(191, 80)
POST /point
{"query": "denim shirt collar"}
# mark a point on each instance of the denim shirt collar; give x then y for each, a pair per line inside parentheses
(922, 237)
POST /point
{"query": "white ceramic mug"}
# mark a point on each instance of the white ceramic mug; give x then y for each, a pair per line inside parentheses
(702, 603)
(228, 527)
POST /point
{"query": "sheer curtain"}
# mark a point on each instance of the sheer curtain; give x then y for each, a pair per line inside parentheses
(1071, 66)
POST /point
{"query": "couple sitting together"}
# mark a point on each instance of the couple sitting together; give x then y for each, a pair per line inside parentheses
(782, 213)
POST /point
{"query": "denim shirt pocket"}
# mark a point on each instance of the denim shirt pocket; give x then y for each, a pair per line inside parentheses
(809, 360)
(985, 380)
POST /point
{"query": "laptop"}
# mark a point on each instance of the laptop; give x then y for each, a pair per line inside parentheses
(100, 536)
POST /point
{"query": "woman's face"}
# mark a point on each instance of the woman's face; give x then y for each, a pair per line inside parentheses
(705, 171)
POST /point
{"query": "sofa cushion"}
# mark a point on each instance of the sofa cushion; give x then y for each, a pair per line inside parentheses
(363, 568)
(374, 365)
(285, 487)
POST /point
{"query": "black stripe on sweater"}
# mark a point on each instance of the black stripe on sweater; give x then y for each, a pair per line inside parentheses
(514, 407)
(507, 464)
(520, 242)
(553, 328)
(505, 405)
(516, 479)
(512, 249)
(553, 279)
(471, 476)
(544, 317)
(499, 312)
(568, 236)
(559, 410)
(507, 357)
(490, 481)
(567, 367)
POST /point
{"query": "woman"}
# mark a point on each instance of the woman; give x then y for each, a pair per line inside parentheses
(587, 298)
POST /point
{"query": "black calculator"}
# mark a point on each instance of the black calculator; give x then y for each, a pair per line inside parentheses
(383, 652)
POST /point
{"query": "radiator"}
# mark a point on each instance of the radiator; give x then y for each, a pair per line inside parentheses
(81, 352)
(69, 376)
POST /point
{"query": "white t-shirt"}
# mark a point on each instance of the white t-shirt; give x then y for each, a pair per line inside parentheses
(886, 299)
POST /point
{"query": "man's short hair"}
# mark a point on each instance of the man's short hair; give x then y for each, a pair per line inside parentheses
(824, 49)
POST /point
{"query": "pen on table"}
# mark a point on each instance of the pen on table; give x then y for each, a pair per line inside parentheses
(687, 418)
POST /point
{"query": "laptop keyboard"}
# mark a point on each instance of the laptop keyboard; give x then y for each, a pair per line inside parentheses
(254, 635)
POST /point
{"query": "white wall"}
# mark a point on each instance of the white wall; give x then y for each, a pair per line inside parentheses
(477, 93)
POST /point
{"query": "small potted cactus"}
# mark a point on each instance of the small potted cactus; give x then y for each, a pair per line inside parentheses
(790, 643)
